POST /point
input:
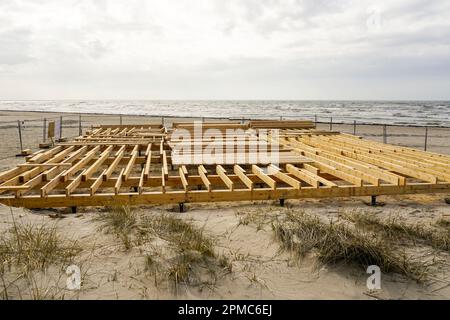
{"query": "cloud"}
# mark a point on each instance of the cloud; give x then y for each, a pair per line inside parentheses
(224, 49)
(15, 45)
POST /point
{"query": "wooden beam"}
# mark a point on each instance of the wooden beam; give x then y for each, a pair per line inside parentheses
(276, 172)
(113, 166)
(241, 174)
(261, 175)
(165, 169)
(183, 179)
(119, 182)
(130, 165)
(94, 167)
(223, 175)
(94, 187)
(202, 173)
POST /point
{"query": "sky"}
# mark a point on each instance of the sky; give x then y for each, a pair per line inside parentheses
(225, 49)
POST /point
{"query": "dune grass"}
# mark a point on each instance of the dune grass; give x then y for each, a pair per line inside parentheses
(334, 242)
(119, 220)
(395, 228)
(193, 251)
(27, 252)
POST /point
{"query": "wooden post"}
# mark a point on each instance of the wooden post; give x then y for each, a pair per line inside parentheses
(426, 138)
(44, 130)
(373, 201)
(19, 126)
(80, 130)
(384, 134)
(354, 127)
(331, 123)
(120, 119)
(60, 127)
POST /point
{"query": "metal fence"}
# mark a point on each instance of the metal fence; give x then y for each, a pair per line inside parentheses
(26, 130)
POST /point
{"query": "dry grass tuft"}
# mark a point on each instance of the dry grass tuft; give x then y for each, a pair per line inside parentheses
(119, 220)
(194, 261)
(27, 253)
(395, 228)
(334, 242)
(34, 247)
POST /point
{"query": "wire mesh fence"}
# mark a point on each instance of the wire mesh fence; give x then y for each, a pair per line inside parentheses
(21, 131)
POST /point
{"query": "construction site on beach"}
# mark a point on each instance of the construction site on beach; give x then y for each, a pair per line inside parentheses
(154, 164)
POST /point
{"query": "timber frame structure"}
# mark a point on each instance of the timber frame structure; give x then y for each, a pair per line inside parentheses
(140, 164)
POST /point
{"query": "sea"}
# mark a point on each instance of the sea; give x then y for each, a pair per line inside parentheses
(422, 113)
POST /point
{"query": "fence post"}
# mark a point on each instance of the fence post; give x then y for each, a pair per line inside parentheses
(354, 127)
(44, 129)
(331, 123)
(384, 134)
(60, 127)
(19, 126)
(426, 139)
(80, 130)
(120, 119)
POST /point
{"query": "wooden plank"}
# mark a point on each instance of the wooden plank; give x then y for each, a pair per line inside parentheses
(52, 184)
(165, 169)
(73, 185)
(118, 182)
(261, 175)
(113, 165)
(223, 175)
(202, 173)
(50, 164)
(130, 165)
(241, 174)
(79, 165)
(141, 183)
(183, 179)
(96, 165)
(94, 187)
(284, 177)
(148, 162)
(219, 195)
(303, 175)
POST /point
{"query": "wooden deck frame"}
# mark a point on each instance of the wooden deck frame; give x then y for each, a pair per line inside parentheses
(133, 164)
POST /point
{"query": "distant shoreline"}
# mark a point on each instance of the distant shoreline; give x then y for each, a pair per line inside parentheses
(214, 118)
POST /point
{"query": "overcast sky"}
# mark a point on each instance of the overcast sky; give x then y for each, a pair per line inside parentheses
(224, 49)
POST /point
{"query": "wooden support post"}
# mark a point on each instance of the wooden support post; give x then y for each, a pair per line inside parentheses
(373, 201)
(80, 130)
(354, 127)
(426, 139)
(60, 127)
(384, 134)
(19, 126)
(281, 202)
(44, 136)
